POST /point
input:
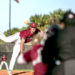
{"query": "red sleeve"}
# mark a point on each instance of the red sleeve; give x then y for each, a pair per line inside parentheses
(24, 34)
(27, 56)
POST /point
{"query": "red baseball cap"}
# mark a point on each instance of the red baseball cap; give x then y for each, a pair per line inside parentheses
(34, 25)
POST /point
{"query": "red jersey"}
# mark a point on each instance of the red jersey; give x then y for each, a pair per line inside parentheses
(34, 55)
(4, 58)
(27, 35)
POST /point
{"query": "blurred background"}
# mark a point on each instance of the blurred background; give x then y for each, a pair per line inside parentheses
(43, 12)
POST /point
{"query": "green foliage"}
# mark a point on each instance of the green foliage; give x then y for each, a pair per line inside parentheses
(43, 21)
(2, 42)
(56, 15)
(12, 31)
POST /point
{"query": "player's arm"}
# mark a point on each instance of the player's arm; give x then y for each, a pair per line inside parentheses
(21, 45)
(25, 58)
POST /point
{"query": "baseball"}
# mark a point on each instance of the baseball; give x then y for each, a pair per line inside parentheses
(26, 21)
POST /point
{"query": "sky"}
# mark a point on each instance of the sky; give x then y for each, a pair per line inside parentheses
(27, 8)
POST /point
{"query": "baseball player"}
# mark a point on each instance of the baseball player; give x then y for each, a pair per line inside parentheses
(4, 62)
(34, 55)
(20, 38)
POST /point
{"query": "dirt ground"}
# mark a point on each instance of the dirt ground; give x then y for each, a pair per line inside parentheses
(15, 72)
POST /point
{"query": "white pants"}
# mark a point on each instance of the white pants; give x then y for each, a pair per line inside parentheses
(4, 62)
(16, 48)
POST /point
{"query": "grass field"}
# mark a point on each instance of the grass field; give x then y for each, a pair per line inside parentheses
(17, 72)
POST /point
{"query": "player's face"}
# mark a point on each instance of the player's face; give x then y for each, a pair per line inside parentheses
(33, 30)
(62, 25)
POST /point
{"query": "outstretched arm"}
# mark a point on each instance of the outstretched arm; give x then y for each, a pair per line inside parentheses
(21, 45)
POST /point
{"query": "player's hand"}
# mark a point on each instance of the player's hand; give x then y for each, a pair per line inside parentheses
(20, 59)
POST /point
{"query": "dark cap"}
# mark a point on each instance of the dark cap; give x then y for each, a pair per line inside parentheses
(68, 18)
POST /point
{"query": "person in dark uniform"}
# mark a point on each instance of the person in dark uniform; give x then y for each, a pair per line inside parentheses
(61, 46)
